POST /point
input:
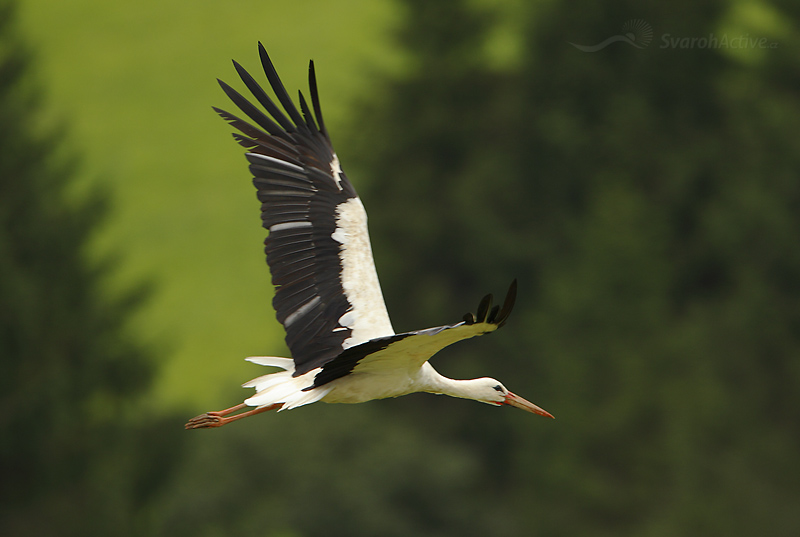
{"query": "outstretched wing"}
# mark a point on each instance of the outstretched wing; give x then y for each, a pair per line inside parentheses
(327, 295)
(412, 349)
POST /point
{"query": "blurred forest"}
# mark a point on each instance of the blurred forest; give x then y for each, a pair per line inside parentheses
(648, 201)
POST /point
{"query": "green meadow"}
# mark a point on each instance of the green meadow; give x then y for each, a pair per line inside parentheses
(134, 84)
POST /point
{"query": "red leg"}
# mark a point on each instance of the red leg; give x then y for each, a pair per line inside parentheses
(227, 410)
(220, 417)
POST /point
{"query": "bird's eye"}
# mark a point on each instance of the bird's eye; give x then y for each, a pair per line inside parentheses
(499, 388)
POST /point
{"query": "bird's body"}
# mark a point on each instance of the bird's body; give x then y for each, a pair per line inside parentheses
(357, 387)
(328, 297)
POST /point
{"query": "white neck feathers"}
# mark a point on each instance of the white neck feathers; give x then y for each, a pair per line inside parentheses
(433, 382)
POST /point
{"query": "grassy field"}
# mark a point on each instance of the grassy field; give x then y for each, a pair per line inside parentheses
(135, 83)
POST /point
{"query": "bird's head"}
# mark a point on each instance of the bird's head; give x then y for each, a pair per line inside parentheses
(493, 392)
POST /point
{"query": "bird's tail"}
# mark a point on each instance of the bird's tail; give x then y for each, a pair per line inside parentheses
(282, 387)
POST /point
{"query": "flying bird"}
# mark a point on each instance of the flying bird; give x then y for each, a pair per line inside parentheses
(328, 297)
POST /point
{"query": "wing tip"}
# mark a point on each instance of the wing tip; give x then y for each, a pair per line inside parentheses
(497, 315)
(508, 305)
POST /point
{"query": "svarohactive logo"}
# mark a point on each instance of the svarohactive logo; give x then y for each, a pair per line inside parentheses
(635, 32)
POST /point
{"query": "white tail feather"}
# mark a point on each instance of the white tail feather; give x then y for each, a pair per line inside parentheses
(272, 361)
(282, 387)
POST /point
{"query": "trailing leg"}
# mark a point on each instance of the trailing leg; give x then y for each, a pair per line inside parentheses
(221, 417)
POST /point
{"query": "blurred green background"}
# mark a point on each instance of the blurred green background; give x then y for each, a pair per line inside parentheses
(647, 198)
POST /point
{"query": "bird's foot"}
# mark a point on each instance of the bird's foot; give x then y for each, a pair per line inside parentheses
(204, 421)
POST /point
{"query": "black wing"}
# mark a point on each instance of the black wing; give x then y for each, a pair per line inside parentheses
(318, 244)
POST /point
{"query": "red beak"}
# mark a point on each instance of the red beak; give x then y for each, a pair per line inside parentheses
(515, 400)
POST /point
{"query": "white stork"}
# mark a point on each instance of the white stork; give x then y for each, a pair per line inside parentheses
(327, 296)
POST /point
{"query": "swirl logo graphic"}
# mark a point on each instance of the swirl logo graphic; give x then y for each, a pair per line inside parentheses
(635, 32)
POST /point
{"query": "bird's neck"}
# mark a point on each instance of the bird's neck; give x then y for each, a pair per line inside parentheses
(439, 384)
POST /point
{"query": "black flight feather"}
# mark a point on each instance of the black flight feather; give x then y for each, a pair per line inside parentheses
(312, 85)
(262, 97)
(306, 112)
(277, 86)
(483, 308)
(251, 111)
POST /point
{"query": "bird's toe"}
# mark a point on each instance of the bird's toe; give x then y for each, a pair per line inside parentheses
(203, 421)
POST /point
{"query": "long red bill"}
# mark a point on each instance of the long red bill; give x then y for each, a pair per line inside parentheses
(515, 400)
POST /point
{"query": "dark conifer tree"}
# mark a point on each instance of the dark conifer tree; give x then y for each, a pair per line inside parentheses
(71, 460)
